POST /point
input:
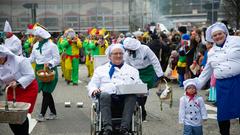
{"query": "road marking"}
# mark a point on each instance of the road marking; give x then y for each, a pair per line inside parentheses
(67, 104)
(211, 116)
(208, 107)
(32, 123)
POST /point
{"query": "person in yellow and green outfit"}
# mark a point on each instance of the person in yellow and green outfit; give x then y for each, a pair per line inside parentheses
(28, 44)
(62, 53)
(102, 42)
(90, 49)
(182, 60)
(71, 44)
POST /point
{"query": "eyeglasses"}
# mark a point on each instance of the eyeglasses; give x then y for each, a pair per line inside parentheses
(118, 53)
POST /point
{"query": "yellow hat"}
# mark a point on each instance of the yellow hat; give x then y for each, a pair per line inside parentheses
(93, 31)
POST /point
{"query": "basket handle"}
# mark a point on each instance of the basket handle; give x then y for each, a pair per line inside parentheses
(45, 68)
(6, 99)
(159, 84)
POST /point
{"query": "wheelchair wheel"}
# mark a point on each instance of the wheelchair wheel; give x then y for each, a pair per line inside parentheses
(93, 120)
(138, 121)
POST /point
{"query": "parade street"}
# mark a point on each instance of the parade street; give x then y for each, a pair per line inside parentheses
(75, 120)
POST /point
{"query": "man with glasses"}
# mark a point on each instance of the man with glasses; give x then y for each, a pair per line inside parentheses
(103, 84)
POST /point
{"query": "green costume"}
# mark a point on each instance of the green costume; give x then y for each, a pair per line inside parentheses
(27, 46)
(147, 75)
(72, 59)
(90, 50)
(50, 86)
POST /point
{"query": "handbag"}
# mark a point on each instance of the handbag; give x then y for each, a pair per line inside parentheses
(165, 94)
(195, 68)
(168, 71)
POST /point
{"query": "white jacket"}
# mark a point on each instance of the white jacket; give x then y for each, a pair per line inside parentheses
(101, 79)
(144, 58)
(50, 54)
(192, 112)
(223, 62)
(16, 68)
(14, 44)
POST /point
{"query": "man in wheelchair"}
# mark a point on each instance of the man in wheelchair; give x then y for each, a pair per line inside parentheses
(104, 82)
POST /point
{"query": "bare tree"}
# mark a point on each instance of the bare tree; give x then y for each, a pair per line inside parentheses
(232, 11)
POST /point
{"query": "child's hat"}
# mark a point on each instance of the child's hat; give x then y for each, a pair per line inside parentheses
(191, 82)
(185, 37)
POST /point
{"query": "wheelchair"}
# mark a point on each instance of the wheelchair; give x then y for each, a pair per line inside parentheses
(96, 120)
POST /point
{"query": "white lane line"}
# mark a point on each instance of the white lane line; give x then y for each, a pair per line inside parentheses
(211, 116)
(208, 107)
(32, 123)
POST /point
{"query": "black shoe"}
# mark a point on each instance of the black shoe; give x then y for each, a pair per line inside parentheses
(68, 82)
(107, 132)
(75, 84)
(124, 131)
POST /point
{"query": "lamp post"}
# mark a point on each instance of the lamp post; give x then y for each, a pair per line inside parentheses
(212, 11)
(33, 7)
(211, 7)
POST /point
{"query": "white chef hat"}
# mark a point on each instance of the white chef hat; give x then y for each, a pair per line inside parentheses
(137, 33)
(113, 47)
(131, 43)
(7, 27)
(39, 31)
(213, 28)
(191, 82)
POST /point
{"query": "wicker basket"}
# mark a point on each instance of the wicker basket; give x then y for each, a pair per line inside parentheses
(45, 75)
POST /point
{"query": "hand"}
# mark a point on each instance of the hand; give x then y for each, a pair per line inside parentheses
(74, 40)
(160, 78)
(46, 65)
(69, 42)
(95, 92)
(13, 84)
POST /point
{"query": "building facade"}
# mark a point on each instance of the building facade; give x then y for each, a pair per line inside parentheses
(57, 15)
(114, 15)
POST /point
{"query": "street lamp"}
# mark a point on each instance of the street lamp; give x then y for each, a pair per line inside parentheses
(33, 7)
(211, 8)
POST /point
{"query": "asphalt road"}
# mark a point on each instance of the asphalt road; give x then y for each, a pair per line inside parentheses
(76, 121)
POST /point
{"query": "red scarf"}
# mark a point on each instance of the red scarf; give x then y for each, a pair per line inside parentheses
(191, 96)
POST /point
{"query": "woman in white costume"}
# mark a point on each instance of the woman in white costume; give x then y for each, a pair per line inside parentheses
(142, 58)
(224, 62)
(17, 72)
(46, 55)
(12, 42)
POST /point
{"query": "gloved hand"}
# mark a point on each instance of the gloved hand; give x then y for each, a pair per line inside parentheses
(160, 78)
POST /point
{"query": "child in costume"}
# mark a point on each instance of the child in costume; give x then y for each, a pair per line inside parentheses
(192, 109)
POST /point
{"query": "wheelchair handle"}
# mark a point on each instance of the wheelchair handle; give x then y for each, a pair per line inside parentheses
(98, 95)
